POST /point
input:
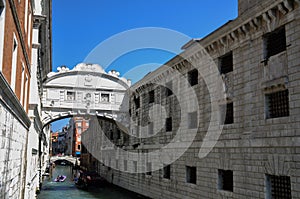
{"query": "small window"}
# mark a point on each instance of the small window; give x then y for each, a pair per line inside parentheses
(169, 124)
(125, 165)
(149, 168)
(150, 128)
(229, 119)
(191, 175)
(117, 164)
(225, 180)
(111, 135)
(135, 166)
(167, 172)
(151, 96)
(192, 120)
(137, 102)
(226, 63)
(78, 146)
(118, 134)
(168, 89)
(193, 77)
(277, 104)
(70, 95)
(104, 97)
(275, 42)
(278, 187)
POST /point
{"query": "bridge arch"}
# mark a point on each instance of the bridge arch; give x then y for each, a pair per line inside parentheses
(86, 90)
(69, 159)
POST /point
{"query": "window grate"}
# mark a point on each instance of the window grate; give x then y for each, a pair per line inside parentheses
(167, 172)
(280, 187)
(226, 63)
(137, 102)
(149, 168)
(169, 124)
(125, 165)
(278, 104)
(168, 89)
(151, 96)
(226, 180)
(275, 42)
(191, 175)
(229, 119)
(192, 120)
(193, 77)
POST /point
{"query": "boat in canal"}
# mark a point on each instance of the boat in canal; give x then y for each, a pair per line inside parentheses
(87, 179)
(60, 178)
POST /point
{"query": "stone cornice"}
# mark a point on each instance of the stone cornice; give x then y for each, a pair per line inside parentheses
(9, 99)
(97, 74)
(237, 30)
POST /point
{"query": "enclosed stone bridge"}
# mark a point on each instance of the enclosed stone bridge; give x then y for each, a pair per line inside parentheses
(86, 90)
(70, 159)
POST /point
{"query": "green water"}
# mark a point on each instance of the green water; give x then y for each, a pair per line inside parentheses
(67, 189)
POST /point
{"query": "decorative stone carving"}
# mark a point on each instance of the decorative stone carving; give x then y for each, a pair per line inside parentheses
(278, 165)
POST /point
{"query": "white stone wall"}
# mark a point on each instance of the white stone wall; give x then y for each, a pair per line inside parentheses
(13, 141)
(32, 173)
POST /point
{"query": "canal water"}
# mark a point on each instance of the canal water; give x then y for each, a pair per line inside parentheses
(68, 190)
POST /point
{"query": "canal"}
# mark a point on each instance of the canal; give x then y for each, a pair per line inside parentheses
(68, 190)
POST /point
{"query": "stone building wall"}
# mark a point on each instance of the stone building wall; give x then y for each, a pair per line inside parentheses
(257, 153)
(13, 141)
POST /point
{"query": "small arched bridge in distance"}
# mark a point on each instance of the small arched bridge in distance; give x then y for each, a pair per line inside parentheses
(86, 90)
(70, 159)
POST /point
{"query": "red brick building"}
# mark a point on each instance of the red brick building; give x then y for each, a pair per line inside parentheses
(81, 124)
(16, 56)
(77, 125)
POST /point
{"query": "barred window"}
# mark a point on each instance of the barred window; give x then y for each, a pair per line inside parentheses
(70, 95)
(117, 164)
(169, 124)
(225, 180)
(135, 166)
(191, 174)
(278, 187)
(104, 97)
(193, 77)
(192, 120)
(167, 172)
(149, 168)
(277, 104)
(137, 102)
(118, 134)
(275, 42)
(151, 96)
(229, 118)
(150, 128)
(125, 165)
(168, 89)
(226, 63)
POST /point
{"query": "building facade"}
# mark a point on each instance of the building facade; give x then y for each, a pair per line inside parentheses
(245, 142)
(81, 125)
(22, 68)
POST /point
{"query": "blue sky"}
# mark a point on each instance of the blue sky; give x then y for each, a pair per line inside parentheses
(80, 26)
